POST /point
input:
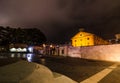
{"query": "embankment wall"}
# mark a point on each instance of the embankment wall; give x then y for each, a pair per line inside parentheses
(101, 52)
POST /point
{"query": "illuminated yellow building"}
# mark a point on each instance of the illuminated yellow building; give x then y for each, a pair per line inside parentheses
(87, 39)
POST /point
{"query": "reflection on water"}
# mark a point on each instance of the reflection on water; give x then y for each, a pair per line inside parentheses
(17, 55)
(42, 61)
(12, 55)
(24, 55)
(30, 57)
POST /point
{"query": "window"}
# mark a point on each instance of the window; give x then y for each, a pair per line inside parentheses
(88, 38)
(80, 34)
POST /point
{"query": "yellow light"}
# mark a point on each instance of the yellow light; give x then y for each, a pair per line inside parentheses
(44, 45)
(51, 46)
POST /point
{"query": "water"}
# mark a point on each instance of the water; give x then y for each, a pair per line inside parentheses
(30, 57)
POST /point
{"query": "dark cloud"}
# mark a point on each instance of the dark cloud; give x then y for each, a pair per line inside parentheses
(60, 19)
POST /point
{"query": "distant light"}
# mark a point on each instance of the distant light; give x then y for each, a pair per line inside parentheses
(18, 50)
(12, 55)
(30, 49)
(44, 45)
(13, 49)
(51, 46)
(24, 50)
(57, 46)
(24, 55)
(43, 61)
(29, 57)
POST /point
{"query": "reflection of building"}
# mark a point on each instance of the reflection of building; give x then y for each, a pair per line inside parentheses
(87, 39)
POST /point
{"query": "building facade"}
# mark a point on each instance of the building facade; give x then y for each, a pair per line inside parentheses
(87, 39)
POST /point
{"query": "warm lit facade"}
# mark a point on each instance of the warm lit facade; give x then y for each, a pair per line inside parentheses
(87, 39)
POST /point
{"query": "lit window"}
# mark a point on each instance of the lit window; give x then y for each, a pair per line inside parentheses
(80, 34)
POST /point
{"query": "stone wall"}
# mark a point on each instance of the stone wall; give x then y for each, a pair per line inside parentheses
(101, 52)
(74, 51)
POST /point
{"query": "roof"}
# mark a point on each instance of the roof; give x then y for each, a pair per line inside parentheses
(85, 34)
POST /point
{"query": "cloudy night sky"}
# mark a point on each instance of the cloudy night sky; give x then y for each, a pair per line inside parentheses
(59, 20)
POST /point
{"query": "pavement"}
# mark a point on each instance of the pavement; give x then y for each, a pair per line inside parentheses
(29, 72)
(100, 75)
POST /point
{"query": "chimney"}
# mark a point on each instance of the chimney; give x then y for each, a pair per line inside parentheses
(81, 29)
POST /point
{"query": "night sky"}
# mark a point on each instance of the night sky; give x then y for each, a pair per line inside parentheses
(59, 20)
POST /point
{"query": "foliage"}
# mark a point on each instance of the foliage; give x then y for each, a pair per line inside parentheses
(30, 36)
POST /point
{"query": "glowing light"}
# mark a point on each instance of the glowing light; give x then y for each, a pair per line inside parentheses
(18, 50)
(24, 50)
(29, 57)
(13, 49)
(51, 46)
(44, 45)
(30, 49)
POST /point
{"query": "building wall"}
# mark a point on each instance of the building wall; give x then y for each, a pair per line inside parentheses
(99, 41)
(98, 52)
(82, 39)
(87, 39)
(63, 50)
(101, 52)
(74, 52)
